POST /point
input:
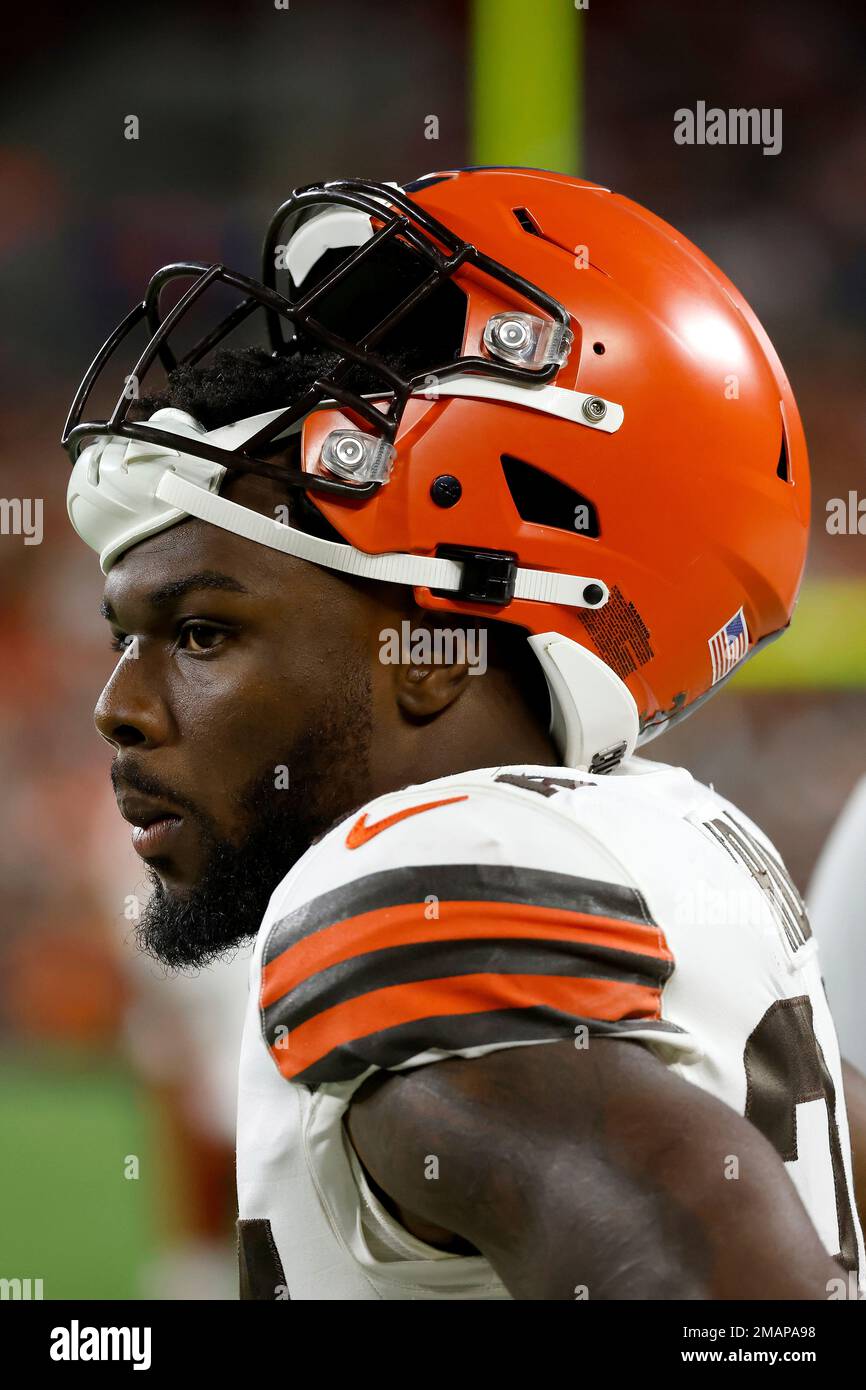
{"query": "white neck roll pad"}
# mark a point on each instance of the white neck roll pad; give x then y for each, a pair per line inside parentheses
(593, 710)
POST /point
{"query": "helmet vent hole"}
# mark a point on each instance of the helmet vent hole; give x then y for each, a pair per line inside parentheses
(545, 501)
(783, 470)
(527, 221)
(599, 348)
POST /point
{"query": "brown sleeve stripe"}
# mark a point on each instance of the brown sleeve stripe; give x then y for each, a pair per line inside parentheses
(390, 1047)
(502, 883)
(406, 924)
(542, 942)
(349, 1024)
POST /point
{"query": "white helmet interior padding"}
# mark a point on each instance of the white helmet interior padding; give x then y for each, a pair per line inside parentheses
(338, 227)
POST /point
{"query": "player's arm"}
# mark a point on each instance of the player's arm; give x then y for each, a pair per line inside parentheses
(592, 1168)
(854, 1083)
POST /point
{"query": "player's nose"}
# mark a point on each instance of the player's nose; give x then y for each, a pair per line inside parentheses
(130, 713)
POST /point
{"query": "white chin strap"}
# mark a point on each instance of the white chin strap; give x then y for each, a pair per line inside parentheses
(394, 567)
(595, 731)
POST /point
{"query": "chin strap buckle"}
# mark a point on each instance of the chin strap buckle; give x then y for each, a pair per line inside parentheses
(488, 576)
(608, 758)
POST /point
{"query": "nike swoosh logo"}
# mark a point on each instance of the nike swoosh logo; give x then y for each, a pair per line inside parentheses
(361, 832)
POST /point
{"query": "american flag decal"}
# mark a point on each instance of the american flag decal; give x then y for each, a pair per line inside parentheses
(729, 645)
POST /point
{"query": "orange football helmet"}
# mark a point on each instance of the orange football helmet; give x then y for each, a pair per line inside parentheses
(599, 444)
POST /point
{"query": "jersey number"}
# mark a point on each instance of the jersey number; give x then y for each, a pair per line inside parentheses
(771, 876)
(785, 1067)
(261, 1269)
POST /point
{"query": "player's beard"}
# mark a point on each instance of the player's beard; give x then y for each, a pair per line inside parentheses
(329, 776)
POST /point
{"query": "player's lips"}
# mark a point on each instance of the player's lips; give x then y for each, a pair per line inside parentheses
(155, 824)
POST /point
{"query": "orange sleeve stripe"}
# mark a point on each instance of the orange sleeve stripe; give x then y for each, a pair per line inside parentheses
(405, 925)
(460, 994)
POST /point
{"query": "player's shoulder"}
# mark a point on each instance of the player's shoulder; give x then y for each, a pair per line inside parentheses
(480, 827)
(477, 911)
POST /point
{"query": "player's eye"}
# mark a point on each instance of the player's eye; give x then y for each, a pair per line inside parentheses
(197, 638)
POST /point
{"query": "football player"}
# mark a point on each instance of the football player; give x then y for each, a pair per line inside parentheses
(513, 481)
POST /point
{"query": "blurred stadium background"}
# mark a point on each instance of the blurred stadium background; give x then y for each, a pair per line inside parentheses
(101, 1060)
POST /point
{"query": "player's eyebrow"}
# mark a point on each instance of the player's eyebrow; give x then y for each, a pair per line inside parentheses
(177, 588)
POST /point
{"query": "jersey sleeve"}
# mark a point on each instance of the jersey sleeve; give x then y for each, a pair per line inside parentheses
(481, 922)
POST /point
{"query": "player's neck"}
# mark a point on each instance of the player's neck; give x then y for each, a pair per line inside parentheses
(502, 734)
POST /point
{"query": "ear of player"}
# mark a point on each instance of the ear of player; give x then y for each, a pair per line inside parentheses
(595, 439)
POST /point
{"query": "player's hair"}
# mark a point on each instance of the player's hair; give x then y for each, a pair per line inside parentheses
(240, 382)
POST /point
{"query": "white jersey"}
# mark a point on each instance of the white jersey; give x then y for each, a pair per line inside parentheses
(512, 907)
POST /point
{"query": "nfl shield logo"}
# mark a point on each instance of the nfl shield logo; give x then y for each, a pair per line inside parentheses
(729, 645)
